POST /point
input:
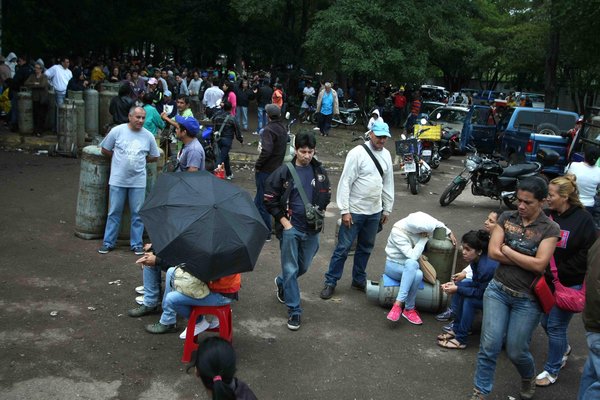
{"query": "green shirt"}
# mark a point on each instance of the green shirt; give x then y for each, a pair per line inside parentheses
(153, 120)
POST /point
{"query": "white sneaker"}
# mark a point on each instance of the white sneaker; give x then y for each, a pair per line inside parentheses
(199, 328)
(139, 289)
(214, 324)
(316, 128)
(139, 300)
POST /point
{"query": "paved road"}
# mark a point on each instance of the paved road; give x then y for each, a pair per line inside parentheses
(345, 349)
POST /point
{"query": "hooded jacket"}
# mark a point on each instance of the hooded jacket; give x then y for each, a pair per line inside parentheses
(372, 120)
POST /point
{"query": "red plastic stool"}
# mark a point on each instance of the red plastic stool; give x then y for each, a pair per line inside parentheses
(223, 313)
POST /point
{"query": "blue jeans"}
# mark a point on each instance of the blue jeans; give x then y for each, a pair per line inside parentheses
(260, 178)
(556, 324)
(589, 388)
(178, 303)
(151, 276)
(325, 123)
(262, 118)
(224, 147)
(242, 116)
(116, 203)
(410, 276)
(464, 315)
(365, 228)
(456, 301)
(297, 252)
(511, 316)
(60, 99)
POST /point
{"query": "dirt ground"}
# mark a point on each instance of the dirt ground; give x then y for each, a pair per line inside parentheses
(65, 334)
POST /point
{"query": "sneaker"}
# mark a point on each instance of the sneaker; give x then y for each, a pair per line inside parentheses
(447, 328)
(140, 300)
(268, 238)
(229, 177)
(412, 316)
(477, 395)
(327, 292)
(545, 379)
(565, 357)
(294, 322)
(104, 250)
(139, 289)
(358, 286)
(159, 328)
(255, 133)
(316, 128)
(214, 324)
(445, 316)
(527, 388)
(198, 329)
(279, 292)
(138, 251)
(394, 314)
(141, 311)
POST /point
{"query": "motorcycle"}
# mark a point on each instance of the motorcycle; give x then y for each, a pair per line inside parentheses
(350, 113)
(416, 169)
(488, 178)
(429, 149)
(449, 144)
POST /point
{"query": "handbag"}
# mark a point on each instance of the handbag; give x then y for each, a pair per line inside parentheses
(188, 284)
(429, 272)
(567, 298)
(543, 293)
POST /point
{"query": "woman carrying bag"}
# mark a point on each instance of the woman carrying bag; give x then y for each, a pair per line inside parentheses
(570, 260)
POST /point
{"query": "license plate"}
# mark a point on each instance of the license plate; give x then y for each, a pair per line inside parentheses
(426, 153)
(410, 167)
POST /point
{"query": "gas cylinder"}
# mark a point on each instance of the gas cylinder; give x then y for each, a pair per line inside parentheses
(77, 97)
(51, 115)
(105, 119)
(92, 198)
(90, 96)
(430, 297)
(67, 128)
(25, 111)
(441, 253)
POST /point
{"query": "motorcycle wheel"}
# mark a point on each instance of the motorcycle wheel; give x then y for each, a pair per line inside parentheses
(313, 118)
(412, 183)
(424, 178)
(510, 202)
(435, 163)
(351, 119)
(334, 124)
(451, 193)
(445, 153)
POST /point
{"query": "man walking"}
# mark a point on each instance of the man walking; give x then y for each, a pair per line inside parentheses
(264, 95)
(212, 95)
(296, 227)
(130, 146)
(327, 106)
(365, 196)
(274, 144)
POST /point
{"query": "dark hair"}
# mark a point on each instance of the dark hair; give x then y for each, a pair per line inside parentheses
(535, 185)
(148, 98)
(125, 90)
(227, 106)
(215, 357)
(477, 240)
(229, 85)
(305, 139)
(185, 98)
(591, 155)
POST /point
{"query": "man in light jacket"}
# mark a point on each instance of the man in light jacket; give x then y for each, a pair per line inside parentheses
(328, 106)
(365, 196)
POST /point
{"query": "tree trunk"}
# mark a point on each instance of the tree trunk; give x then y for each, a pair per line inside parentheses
(552, 55)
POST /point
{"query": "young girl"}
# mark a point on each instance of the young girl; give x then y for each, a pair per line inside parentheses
(215, 366)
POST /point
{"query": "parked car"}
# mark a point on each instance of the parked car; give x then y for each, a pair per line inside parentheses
(537, 99)
(434, 93)
(476, 122)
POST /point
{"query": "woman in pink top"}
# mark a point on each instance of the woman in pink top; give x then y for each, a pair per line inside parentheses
(230, 96)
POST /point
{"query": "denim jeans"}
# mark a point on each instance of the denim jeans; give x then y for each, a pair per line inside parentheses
(456, 301)
(60, 99)
(556, 324)
(151, 276)
(410, 276)
(325, 123)
(589, 388)
(116, 203)
(260, 178)
(507, 315)
(364, 227)
(297, 252)
(464, 315)
(242, 116)
(262, 118)
(175, 303)
(224, 147)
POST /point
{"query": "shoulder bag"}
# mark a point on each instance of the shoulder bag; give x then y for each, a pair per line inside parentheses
(378, 166)
(188, 284)
(543, 293)
(314, 216)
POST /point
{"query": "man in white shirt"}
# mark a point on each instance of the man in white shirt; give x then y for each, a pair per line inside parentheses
(365, 197)
(211, 96)
(59, 76)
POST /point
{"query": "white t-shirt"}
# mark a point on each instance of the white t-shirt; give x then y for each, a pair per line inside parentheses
(307, 92)
(588, 179)
(130, 148)
(59, 77)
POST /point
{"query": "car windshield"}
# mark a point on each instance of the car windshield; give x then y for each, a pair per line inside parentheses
(448, 115)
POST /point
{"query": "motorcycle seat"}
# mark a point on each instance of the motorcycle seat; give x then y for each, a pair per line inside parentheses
(513, 171)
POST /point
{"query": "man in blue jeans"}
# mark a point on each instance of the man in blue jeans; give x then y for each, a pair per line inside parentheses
(273, 147)
(297, 232)
(589, 388)
(130, 147)
(365, 196)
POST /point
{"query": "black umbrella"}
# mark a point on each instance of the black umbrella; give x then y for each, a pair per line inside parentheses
(208, 223)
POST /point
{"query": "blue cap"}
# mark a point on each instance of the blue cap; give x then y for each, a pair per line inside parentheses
(381, 129)
(190, 124)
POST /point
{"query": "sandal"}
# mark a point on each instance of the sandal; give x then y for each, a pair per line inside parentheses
(446, 336)
(545, 379)
(452, 344)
